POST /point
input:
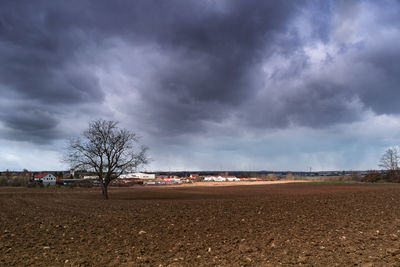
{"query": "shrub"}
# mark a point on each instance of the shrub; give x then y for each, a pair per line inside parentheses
(392, 176)
(371, 177)
(355, 176)
(3, 181)
(17, 182)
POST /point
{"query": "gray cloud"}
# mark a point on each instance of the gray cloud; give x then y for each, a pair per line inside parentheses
(47, 47)
(29, 123)
(174, 68)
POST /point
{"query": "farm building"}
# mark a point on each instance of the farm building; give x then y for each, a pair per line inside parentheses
(91, 177)
(138, 175)
(221, 179)
(214, 179)
(232, 179)
(45, 178)
(136, 178)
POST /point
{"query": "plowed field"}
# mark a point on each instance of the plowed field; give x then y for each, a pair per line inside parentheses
(252, 225)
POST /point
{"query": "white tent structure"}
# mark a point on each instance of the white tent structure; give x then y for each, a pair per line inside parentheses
(138, 175)
(219, 179)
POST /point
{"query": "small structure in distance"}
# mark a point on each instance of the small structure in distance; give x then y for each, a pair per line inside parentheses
(45, 178)
(137, 178)
(138, 175)
(221, 179)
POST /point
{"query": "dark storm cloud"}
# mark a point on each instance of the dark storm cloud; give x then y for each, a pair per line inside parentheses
(40, 67)
(219, 53)
(382, 93)
(217, 50)
(32, 124)
(36, 56)
(45, 43)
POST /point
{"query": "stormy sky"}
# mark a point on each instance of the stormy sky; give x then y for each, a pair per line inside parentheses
(209, 85)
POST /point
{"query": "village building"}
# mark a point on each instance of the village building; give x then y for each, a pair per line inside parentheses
(221, 179)
(214, 179)
(138, 175)
(136, 178)
(91, 177)
(46, 178)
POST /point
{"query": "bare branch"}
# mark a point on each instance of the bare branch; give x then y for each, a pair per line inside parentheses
(391, 159)
(107, 151)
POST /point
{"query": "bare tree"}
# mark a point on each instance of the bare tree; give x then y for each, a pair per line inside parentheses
(106, 150)
(390, 159)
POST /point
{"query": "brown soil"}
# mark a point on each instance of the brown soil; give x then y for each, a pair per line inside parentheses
(259, 225)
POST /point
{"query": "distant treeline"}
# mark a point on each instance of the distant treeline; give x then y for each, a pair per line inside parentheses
(14, 181)
(392, 176)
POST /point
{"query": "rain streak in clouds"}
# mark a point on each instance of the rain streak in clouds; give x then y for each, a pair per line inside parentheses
(221, 85)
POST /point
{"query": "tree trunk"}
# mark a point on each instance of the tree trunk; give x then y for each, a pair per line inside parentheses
(105, 192)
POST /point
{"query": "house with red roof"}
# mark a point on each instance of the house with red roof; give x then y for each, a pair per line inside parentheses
(45, 178)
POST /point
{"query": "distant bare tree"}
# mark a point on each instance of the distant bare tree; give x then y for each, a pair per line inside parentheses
(8, 174)
(390, 159)
(107, 151)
